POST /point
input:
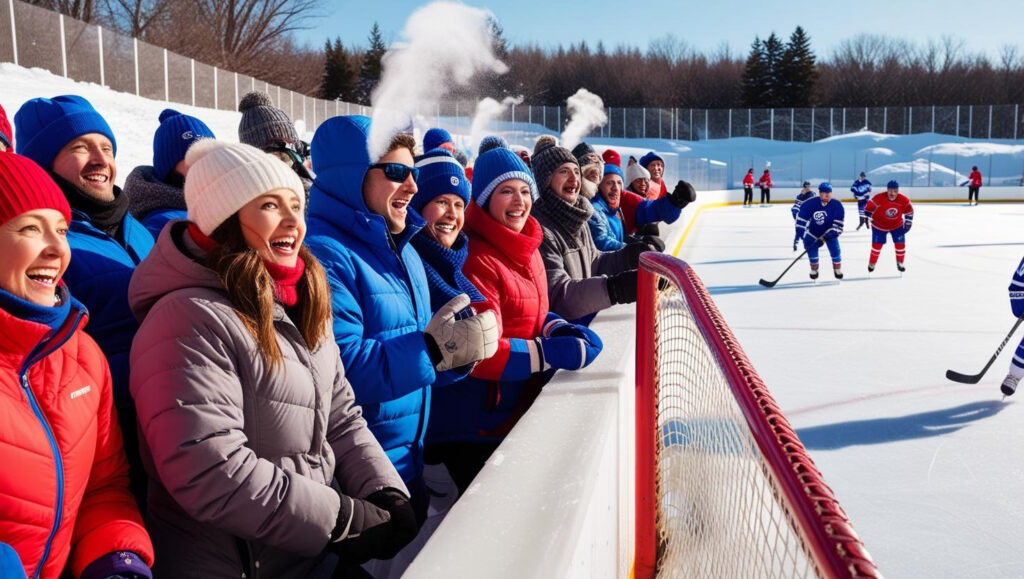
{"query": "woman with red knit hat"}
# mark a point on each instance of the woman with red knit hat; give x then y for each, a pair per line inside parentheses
(65, 505)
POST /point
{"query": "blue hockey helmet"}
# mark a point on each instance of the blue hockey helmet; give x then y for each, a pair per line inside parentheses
(892, 185)
(825, 187)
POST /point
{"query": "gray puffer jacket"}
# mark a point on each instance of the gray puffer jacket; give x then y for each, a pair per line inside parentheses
(577, 270)
(240, 457)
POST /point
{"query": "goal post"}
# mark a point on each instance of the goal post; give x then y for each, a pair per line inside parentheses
(724, 487)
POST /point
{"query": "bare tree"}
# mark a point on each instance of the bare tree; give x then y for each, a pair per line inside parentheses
(136, 17)
(84, 10)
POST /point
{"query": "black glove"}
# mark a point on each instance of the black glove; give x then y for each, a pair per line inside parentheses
(648, 229)
(683, 194)
(374, 531)
(653, 242)
(632, 252)
(820, 242)
(622, 287)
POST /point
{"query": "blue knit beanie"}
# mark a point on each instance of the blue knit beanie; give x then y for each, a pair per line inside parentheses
(645, 161)
(45, 125)
(435, 137)
(491, 142)
(609, 168)
(172, 139)
(494, 168)
(440, 173)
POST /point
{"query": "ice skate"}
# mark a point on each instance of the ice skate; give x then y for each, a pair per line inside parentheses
(900, 266)
(1009, 385)
(838, 272)
(814, 274)
(871, 267)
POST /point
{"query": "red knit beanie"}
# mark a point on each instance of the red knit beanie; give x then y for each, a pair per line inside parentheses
(6, 134)
(611, 157)
(24, 186)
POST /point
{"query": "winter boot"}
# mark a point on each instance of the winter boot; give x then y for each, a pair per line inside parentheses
(1009, 385)
(838, 272)
(814, 272)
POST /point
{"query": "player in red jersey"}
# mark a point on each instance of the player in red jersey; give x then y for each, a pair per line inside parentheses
(889, 213)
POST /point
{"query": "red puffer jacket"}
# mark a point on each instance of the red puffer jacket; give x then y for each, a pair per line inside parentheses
(64, 498)
(508, 270)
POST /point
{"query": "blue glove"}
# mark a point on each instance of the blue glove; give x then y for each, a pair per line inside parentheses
(569, 352)
(1017, 303)
(831, 234)
(119, 564)
(906, 226)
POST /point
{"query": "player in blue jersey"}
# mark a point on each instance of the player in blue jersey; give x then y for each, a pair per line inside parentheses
(861, 190)
(804, 194)
(1009, 385)
(820, 222)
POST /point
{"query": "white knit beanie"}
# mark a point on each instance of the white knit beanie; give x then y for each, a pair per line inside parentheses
(635, 171)
(223, 177)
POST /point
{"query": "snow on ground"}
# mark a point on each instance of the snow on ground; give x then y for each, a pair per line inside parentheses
(928, 470)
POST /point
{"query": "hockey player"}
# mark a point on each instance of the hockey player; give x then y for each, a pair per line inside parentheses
(861, 190)
(765, 183)
(804, 194)
(748, 188)
(820, 222)
(1009, 385)
(889, 213)
(973, 185)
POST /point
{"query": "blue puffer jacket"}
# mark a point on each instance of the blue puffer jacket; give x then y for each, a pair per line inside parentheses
(379, 294)
(606, 226)
(98, 276)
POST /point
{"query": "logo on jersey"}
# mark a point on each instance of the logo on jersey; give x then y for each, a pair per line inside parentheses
(892, 212)
(819, 217)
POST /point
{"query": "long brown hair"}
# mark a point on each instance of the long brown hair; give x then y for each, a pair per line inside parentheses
(251, 290)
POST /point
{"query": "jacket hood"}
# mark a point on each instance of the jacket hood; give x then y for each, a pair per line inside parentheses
(167, 269)
(146, 193)
(340, 161)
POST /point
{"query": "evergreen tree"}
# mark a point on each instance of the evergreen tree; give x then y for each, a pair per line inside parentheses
(773, 49)
(371, 68)
(339, 80)
(755, 76)
(797, 72)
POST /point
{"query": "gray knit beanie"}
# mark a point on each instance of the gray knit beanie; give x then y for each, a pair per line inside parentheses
(262, 122)
(546, 160)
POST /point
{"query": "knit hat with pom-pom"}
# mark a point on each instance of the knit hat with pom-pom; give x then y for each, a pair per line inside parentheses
(25, 186)
(172, 139)
(611, 157)
(223, 177)
(263, 123)
(6, 134)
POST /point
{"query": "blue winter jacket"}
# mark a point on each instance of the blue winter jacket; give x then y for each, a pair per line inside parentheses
(98, 276)
(606, 226)
(379, 294)
(155, 220)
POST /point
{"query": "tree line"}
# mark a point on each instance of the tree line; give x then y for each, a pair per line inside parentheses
(257, 38)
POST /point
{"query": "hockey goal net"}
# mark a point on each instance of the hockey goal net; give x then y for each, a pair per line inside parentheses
(724, 488)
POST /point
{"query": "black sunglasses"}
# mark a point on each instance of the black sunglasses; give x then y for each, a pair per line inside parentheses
(297, 151)
(397, 172)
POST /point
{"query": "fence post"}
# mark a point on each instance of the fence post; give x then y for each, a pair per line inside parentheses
(63, 48)
(1016, 120)
(216, 102)
(167, 88)
(691, 124)
(750, 124)
(866, 128)
(99, 35)
(135, 59)
(659, 124)
(989, 124)
(958, 120)
(192, 63)
(771, 129)
(643, 134)
(707, 125)
(885, 120)
(236, 90)
(844, 120)
(910, 122)
(14, 31)
(730, 123)
(970, 122)
(933, 118)
(792, 123)
(812, 124)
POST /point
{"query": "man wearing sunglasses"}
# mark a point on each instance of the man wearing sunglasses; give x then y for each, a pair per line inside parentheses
(393, 349)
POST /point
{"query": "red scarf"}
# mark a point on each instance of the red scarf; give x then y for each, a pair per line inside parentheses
(285, 278)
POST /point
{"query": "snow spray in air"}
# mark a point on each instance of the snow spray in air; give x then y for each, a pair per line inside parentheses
(486, 111)
(445, 45)
(586, 112)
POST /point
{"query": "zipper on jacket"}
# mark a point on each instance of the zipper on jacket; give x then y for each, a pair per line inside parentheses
(44, 348)
(58, 463)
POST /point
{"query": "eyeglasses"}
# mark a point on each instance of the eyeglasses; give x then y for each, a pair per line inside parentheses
(397, 172)
(296, 151)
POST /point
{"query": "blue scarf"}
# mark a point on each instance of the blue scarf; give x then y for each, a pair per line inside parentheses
(444, 269)
(51, 316)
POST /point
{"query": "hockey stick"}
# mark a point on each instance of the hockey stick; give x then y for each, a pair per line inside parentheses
(975, 378)
(767, 283)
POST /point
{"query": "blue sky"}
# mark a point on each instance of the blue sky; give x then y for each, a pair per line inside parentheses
(984, 25)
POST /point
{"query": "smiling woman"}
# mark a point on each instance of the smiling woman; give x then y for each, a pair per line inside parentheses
(236, 324)
(54, 370)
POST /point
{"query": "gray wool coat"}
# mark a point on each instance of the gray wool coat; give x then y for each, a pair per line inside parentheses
(240, 457)
(577, 270)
